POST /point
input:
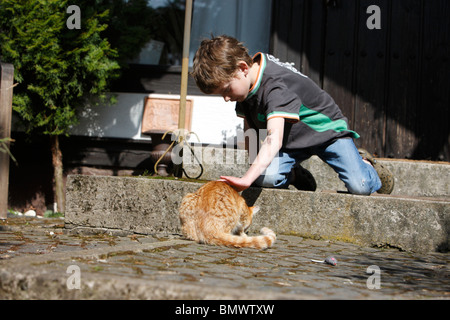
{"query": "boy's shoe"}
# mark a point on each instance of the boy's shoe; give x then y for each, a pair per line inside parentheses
(303, 179)
(386, 176)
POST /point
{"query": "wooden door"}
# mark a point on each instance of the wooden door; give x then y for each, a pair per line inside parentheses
(392, 83)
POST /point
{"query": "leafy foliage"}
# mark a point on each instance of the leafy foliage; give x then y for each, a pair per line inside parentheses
(56, 68)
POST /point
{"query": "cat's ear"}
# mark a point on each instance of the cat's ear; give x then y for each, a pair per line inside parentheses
(255, 209)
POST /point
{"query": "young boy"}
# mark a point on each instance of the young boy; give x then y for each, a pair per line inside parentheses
(300, 118)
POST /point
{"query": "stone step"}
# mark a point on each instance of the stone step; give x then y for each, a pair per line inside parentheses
(412, 178)
(150, 206)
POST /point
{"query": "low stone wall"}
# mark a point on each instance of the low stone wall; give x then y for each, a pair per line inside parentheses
(412, 178)
(150, 206)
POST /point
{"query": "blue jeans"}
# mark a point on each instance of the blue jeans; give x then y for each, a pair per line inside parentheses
(342, 155)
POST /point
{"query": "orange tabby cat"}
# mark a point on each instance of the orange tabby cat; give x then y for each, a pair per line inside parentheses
(217, 214)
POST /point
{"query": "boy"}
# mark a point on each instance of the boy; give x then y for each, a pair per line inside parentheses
(300, 118)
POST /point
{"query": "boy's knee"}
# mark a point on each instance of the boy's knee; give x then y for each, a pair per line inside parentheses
(362, 187)
(364, 183)
(359, 189)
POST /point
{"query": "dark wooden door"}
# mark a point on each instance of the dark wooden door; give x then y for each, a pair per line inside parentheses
(392, 83)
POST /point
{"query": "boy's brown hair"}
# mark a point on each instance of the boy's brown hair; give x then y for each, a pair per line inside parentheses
(216, 62)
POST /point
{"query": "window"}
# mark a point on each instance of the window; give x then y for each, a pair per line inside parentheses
(247, 20)
(165, 46)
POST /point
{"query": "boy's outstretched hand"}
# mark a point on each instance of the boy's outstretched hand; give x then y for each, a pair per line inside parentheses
(239, 184)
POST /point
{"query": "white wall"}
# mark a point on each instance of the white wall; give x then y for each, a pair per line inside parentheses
(213, 119)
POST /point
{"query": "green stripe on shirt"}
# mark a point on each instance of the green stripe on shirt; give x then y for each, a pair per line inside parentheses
(321, 123)
(263, 64)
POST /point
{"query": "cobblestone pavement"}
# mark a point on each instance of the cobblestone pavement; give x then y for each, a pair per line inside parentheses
(283, 271)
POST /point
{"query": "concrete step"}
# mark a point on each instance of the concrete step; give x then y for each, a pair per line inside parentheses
(412, 178)
(150, 206)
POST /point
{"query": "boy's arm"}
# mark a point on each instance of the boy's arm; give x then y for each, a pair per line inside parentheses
(269, 149)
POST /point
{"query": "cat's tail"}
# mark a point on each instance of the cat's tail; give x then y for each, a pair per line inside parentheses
(263, 241)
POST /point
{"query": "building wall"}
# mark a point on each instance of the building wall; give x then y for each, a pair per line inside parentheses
(213, 120)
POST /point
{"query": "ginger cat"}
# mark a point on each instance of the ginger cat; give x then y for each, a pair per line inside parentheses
(217, 214)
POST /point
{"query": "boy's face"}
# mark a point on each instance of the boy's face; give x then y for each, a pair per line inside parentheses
(237, 88)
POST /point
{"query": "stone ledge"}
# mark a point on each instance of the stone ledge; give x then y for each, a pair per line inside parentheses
(412, 178)
(150, 206)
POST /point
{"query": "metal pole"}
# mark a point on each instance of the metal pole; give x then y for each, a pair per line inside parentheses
(178, 169)
(6, 94)
(185, 64)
